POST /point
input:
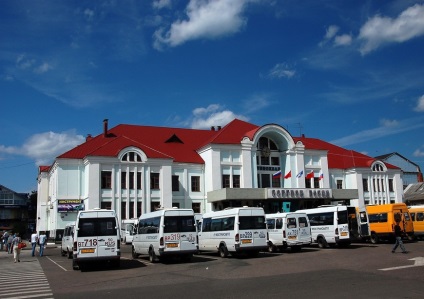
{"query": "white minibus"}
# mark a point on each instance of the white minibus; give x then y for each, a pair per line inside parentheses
(288, 230)
(127, 230)
(96, 238)
(234, 230)
(68, 240)
(337, 224)
(165, 233)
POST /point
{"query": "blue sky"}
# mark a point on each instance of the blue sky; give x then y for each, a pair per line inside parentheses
(348, 72)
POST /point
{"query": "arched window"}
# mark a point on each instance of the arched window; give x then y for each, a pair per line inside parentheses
(131, 157)
(378, 167)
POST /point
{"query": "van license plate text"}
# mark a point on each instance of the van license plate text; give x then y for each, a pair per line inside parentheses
(344, 234)
(171, 245)
(246, 241)
(88, 250)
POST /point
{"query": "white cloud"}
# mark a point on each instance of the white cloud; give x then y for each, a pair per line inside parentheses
(388, 128)
(45, 147)
(159, 4)
(418, 153)
(213, 115)
(43, 68)
(420, 104)
(389, 123)
(330, 32)
(205, 19)
(381, 30)
(343, 40)
(281, 70)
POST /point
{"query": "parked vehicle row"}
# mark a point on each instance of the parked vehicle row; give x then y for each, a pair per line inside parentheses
(243, 230)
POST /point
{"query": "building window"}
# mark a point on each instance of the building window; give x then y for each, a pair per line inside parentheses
(131, 182)
(154, 181)
(195, 183)
(196, 207)
(276, 182)
(106, 205)
(339, 184)
(365, 185)
(316, 183)
(175, 183)
(123, 180)
(236, 181)
(225, 181)
(123, 210)
(308, 183)
(131, 210)
(265, 180)
(138, 180)
(139, 208)
(106, 179)
(391, 189)
(131, 157)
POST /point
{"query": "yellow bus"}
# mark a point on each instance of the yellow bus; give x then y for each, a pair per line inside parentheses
(382, 219)
(417, 216)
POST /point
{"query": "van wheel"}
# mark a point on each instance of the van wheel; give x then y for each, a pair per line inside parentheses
(63, 253)
(133, 253)
(374, 238)
(296, 248)
(223, 251)
(322, 243)
(115, 264)
(74, 265)
(152, 256)
(271, 248)
(69, 253)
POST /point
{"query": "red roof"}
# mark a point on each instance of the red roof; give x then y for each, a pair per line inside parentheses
(339, 157)
(181, 145)
(43, 169)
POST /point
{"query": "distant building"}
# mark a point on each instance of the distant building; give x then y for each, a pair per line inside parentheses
(411, 172)
(414, 194)
(137, 169)
(13, 208)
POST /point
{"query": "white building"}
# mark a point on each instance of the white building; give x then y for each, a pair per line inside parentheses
(137, 169)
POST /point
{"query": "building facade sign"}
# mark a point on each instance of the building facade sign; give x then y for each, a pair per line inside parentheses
(299, 193)
(69, 205)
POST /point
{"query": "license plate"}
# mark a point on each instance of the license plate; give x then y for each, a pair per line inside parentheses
(292, 237)
(88, 250)
(246, 241)
(171, 245)
(344, 234)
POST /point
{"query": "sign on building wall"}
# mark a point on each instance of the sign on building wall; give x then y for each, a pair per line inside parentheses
(69, 205)
(299, 193)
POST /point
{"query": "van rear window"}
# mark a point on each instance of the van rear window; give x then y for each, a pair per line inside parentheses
(91, 227)
(252, 222)
(175, 224)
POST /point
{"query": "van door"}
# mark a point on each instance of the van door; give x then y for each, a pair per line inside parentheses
(107, 238)
(97, 236)
(304, 233)
(179, 233)
(292, 229)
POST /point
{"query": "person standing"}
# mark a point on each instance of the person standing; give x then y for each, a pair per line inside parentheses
(9, 243)
(16, 250)
(398, 235)
(42, 241)
(34, 240)
(5, 238)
